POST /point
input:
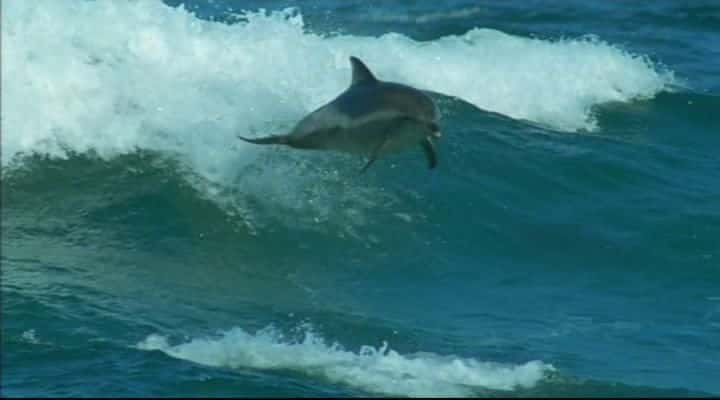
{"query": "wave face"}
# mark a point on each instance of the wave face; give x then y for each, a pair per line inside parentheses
(566, 245)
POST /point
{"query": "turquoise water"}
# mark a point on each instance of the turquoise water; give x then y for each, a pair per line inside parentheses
(567, 244)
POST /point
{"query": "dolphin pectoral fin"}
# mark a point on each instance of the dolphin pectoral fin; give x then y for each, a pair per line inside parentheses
(374, 155)
(370, 161)
(274, 139)
(430, 153)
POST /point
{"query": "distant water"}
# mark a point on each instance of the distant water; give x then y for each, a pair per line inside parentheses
(567, 244)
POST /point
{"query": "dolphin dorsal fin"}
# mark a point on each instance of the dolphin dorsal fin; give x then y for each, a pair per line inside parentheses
(360, 72)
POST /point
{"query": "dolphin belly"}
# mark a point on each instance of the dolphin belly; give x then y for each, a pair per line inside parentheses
(389, 136)
(406, 136)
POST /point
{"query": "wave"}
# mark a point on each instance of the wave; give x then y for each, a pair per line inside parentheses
(115, 76)
(112, 79)
(382, 370)
(374, 369)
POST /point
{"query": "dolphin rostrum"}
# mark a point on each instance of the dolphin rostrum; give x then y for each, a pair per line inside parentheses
(371, 117)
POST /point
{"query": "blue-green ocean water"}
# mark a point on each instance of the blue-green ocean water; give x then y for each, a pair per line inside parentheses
(567, 244)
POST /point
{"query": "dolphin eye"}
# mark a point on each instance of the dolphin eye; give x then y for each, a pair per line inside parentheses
(433, 127)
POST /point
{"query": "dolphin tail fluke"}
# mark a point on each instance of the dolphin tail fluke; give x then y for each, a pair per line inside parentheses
(430, 153)
(274, 139)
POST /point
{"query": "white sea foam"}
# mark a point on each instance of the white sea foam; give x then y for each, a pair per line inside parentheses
(454, 13)
(373, 369)
(29, 336)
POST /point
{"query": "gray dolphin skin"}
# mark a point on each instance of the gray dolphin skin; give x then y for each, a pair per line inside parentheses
(371, 117)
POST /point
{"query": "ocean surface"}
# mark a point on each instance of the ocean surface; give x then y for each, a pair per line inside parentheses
(568, 244)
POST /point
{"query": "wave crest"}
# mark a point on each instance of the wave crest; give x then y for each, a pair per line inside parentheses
(374, 369)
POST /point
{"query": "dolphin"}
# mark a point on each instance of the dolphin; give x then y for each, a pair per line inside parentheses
(371, 117)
